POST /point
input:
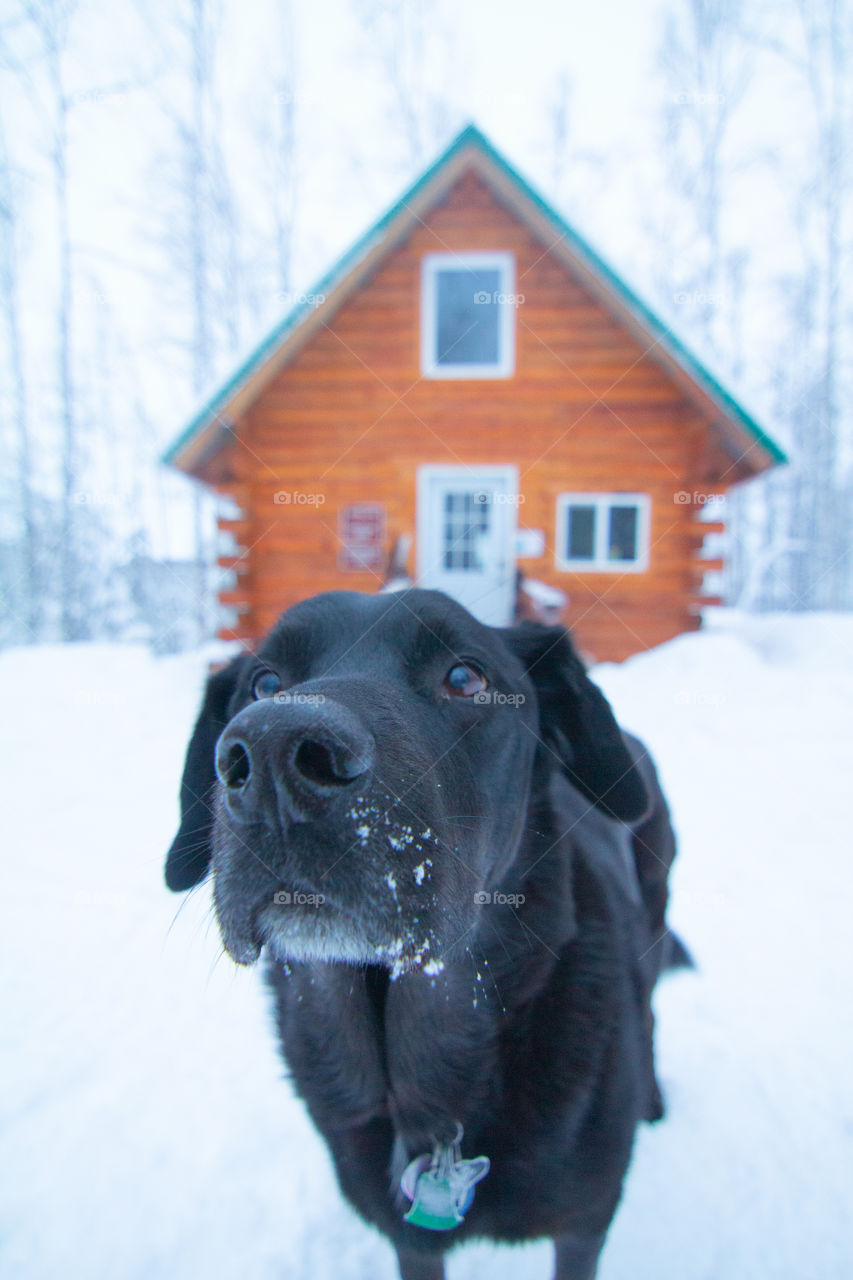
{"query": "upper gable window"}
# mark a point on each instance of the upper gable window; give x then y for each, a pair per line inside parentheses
(468, 315)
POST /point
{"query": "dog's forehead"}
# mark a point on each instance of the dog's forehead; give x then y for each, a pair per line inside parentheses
(413, 625)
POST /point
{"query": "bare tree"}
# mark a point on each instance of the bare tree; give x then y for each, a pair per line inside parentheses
(282, 152)
(273, 127)
(577, 173)
(559, 111)
(401, 36)
(814, 41)
(201, 234)
(705, 63)
(820, 504)
(27, 594)
(51, 19)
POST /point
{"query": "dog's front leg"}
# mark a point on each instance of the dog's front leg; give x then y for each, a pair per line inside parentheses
(577, 1256)
(420, 1266)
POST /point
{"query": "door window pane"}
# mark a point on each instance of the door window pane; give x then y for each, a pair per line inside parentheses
(466, 518)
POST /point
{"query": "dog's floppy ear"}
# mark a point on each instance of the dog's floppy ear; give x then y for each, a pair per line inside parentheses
(577, 723)
(189, 856)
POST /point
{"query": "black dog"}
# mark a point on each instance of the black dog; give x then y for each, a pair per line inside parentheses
(457, 863)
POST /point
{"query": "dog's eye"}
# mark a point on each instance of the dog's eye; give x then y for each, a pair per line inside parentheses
(265, 684)
(464, 681)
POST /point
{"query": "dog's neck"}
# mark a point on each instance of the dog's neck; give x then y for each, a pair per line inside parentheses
(423, 1049)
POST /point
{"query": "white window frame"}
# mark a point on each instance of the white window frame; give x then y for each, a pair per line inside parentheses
(602, 502)
(431, 264)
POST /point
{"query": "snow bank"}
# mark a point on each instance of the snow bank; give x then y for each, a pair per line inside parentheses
(146, 1127)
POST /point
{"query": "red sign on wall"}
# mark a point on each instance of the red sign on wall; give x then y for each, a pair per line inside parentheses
(361, 529)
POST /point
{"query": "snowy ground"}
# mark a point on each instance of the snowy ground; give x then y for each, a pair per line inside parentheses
(146, 1130)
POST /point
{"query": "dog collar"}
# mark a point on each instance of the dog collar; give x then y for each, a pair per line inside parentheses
(441, 1186)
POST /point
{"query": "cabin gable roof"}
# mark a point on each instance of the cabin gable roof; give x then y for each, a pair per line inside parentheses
(211, 427)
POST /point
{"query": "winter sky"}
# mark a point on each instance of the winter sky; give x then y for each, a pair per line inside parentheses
(497, 64)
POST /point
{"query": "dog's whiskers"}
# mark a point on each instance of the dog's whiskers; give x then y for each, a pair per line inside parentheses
(189, 894)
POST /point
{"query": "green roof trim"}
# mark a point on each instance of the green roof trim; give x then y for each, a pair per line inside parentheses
(472, 137)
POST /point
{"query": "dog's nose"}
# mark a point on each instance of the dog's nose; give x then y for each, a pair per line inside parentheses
(297, 756)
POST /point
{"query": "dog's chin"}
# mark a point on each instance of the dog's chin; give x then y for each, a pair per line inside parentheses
(311, 933)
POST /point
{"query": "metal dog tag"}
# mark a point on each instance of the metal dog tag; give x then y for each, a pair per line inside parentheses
(441, 1188)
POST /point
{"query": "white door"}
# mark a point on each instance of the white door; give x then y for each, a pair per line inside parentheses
(466, 524)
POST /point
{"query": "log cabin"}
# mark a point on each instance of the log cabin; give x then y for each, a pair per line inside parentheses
(471, 393)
